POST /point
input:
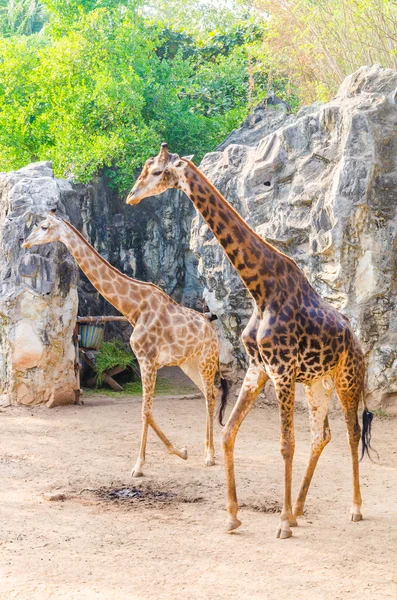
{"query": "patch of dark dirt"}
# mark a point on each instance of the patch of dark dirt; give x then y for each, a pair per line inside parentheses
(128, 494)
(123, 495)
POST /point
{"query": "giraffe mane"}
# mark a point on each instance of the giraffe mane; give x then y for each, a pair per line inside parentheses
(111, 267)
(239, 217)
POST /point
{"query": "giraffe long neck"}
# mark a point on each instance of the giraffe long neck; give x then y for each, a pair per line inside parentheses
(122, 292)
(258, 263)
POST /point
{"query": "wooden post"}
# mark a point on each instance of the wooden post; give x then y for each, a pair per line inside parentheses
(78, 390)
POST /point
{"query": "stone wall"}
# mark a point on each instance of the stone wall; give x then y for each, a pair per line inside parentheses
(38, 296)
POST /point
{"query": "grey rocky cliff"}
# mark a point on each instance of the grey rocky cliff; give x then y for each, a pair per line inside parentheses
(38, 295)
(322, 188)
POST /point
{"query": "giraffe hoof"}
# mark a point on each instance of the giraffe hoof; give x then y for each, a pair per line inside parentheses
(293, 523)
(283, 532)
(210, 462)
(184, 453)
(232, 525)
(355, 517)
(136, 473)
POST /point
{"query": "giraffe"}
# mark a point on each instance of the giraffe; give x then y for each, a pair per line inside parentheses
(293, 336)
(165, 333)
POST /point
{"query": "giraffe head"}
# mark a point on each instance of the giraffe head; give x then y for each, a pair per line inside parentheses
(49, 230)
(158, 174)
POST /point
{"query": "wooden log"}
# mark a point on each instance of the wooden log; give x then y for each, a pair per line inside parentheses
(101, 319)
(115, 370)
(91, 381)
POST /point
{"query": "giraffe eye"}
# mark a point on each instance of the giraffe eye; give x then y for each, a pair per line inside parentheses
(44, 227)
(156, 173)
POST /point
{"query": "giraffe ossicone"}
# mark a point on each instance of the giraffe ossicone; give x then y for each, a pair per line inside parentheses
(165, 333)
(293, 336)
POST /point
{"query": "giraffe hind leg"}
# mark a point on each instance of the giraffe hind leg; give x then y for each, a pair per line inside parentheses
(318, 396)
(208, 371)
(285, 390)
(204, 380)
(210, 399)
(350, 398)
(192, 370)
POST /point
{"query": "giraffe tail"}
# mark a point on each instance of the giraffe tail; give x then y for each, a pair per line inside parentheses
(366, 433)
(225, 392)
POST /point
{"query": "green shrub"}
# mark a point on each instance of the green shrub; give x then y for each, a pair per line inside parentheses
(112, 354)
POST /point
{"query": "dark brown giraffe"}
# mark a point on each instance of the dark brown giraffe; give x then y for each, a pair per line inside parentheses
(293, 336)
(165, 333)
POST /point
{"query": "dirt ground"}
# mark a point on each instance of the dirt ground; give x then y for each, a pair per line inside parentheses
(165, 539)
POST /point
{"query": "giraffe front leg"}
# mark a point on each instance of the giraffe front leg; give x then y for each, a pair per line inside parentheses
(286, 396)
(318, 397)
(254, 381)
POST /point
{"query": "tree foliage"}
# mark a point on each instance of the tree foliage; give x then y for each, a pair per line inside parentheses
(317, 43)
(105, 81)
(22, 17)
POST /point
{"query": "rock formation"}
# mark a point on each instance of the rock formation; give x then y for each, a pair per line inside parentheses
(38, 296)
(320, 186)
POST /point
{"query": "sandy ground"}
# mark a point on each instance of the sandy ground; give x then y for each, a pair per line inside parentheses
(174, 546)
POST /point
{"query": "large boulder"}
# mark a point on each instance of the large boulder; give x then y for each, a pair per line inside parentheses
(320, 186)
(38, 296)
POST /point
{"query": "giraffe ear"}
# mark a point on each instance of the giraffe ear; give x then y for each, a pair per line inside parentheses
(180, 164)
(190, 157)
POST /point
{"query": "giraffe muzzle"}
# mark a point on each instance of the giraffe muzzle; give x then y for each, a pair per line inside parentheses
(133, 198)
(26, 244)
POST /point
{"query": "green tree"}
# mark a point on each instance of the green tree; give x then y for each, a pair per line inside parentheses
(316, 44)
(106, 81)
(22, 17)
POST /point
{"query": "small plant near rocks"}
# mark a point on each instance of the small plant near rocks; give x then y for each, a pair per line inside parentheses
(112, 354)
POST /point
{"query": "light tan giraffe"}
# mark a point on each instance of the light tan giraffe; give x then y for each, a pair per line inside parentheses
(293, 336)
(165, 333)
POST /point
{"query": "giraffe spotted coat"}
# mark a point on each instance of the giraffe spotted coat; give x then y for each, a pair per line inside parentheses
(165, 333)
(293, 335)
